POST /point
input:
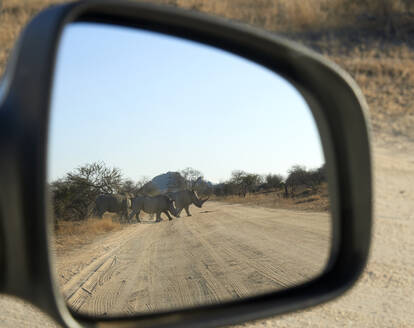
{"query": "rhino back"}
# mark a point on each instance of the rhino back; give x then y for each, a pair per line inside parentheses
(183, 198)
(111, 203)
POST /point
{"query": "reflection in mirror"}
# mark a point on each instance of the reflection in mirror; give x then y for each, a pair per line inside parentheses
(180, 175)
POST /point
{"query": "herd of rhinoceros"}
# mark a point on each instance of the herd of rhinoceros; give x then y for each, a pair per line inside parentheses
(153, 205)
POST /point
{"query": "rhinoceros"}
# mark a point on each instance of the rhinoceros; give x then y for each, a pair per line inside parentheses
(184, 198)
(113, 203)
(156, 204)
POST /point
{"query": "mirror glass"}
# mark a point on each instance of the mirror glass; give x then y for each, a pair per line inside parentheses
(180, 175)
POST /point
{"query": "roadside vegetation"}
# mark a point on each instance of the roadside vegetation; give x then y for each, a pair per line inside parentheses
(371, 39)
(70, 235)
(304, 199)
(73, 196)
(302, 188)
(73, 200)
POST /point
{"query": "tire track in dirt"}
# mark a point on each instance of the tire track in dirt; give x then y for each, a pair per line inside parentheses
(70, 286)
(232, 282)
(310, 241)
(184, 284)
(89, 286)
(181, 288)
(234, 251)
(214, 284)
(133, 261)
(223, 254)
(241, 241)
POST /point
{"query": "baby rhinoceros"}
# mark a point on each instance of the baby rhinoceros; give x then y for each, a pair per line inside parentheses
(150, 205)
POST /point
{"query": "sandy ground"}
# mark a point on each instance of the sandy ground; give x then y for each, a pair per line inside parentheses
(222, 252)
(382, 297)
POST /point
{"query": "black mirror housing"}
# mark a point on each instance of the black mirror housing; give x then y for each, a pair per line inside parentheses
(336, 102)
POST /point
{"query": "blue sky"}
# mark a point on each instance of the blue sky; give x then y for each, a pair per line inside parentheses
(148, 103)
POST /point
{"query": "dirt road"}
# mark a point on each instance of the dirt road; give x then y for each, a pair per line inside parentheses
(382, 297)
(220, 253)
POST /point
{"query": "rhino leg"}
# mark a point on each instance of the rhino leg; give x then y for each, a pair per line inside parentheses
(125, 216)
(99, 213)
(136, 213)
(169, 217)
(158, 217)
(131, 215)
(187, 210)
(179, 211)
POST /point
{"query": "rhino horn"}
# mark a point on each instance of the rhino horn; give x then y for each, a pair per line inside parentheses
(202, 201)
(197, 201)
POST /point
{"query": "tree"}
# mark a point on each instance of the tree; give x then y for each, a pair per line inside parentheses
(176, 182)
(225, 189)
(74, 195)
(98, 177)
(296, 177)
(320, 174)
(142, 182)
(236, 179)
(191, 177)
(251, 181)
(203, 187)
(149, 189)
(273, 180)
(299, 175)
(129, 187)
(245, 182)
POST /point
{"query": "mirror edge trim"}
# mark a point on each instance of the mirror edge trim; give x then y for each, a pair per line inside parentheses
(250, 43)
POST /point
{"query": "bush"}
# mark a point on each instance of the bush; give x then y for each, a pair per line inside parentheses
(300, 176)
(74, 195)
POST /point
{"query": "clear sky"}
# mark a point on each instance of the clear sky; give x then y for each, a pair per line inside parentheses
(148, 103)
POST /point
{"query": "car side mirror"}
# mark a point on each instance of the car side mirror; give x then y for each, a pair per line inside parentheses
(240, 93)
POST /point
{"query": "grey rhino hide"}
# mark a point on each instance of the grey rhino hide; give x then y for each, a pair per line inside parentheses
(184, 198)
(157, 204)
(113, 203)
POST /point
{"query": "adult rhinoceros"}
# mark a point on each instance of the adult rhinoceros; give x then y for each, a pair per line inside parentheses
(113, 203)
(184, 198)
(156, 204)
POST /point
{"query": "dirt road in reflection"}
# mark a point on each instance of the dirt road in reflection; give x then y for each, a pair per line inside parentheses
(222, 252)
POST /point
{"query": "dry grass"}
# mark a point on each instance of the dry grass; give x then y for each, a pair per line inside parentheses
(74, 234)
(388, 85)
(304, 200)
(385, 73)
(300, 15)
(14, 15)
(371, 39)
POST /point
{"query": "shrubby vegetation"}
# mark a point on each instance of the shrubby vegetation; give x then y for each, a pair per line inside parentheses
(300, 176)
(241, 183)
(74, 195)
